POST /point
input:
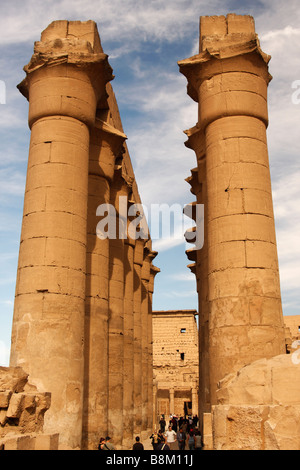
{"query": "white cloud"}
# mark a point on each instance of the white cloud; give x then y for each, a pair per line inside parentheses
(12, 182)
(4, 354)
(183, 276)
(118, 20)
(286, 195)
(288, 32)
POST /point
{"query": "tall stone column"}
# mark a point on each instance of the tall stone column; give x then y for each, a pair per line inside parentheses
(65, 79)
(137, 310)
(106, 145)
(151, 402)
(197, 180)
(128, 409)
(116, 348)
(229, 79)
(145, 277)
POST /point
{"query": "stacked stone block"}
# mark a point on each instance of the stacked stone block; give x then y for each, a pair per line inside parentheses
(22, 410)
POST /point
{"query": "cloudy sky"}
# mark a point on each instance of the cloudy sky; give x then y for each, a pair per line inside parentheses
(144, 41)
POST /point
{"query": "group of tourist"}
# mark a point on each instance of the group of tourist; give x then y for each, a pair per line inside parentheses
(181, 432)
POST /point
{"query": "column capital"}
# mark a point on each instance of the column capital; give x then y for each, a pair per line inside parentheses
(66, 75)
(230, 60)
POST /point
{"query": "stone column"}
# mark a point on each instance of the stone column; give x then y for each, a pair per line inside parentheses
(151, 403)
(116, 316)
(106, 144)
(197, 180)
(229, 79)
(65, 79)
(137, 300)
(128, 324)
(145, 277)
(172, 400)
(128, 411)
(195, 400)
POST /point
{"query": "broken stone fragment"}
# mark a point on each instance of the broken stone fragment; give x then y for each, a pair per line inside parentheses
(13, 379)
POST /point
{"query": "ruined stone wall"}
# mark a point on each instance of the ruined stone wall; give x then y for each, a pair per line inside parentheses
(175, 360)
(22, 410)
(292, 332)
(259, 407)
(293, 323)
(83, 300)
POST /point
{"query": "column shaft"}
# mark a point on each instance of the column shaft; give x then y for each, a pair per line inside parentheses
(50, 292)
(137, 300)
(128, 411)
(104, 148)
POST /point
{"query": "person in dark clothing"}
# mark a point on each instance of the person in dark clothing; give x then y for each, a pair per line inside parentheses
(163, 445)
(138, 445)
(156, 440)
(162, 424)
(101, 443)
(181, 438)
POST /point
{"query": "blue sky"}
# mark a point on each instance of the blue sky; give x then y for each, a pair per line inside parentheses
(144, 40)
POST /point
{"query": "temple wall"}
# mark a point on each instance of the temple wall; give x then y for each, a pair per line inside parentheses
(175, 362)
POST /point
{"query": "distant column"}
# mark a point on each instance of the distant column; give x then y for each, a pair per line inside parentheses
(151, 386)
(116, 318)
(137, 310)
(106, 145)
(128, 410)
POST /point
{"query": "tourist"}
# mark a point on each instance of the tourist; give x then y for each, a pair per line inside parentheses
(138, 445)
(162, 424)
(101, 443)
(164, 445)
(181, 438)
(160, 435)
(198, 440)
(156, 440)
(107, 445)
(191, 440)
(174, 423)
(195, 421)
(171, 438)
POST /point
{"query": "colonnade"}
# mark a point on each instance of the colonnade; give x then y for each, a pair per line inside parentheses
(82, 318)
